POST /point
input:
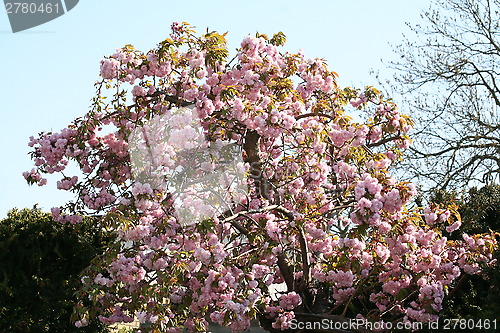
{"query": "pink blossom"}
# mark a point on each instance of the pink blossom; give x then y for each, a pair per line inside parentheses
(290, 301)
(455, 226)
(109, 68)
(342, 279)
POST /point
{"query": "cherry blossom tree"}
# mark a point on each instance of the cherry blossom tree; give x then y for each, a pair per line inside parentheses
(315, 229)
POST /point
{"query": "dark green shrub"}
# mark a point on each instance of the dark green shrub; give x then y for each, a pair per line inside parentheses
(40, 263)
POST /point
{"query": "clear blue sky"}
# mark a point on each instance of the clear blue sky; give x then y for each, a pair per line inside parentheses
(48, 72)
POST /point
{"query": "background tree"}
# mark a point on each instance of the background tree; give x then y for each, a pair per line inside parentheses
(450, 83)
(40, 266)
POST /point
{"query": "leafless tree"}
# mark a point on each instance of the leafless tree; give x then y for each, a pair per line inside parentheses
(450, 79)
